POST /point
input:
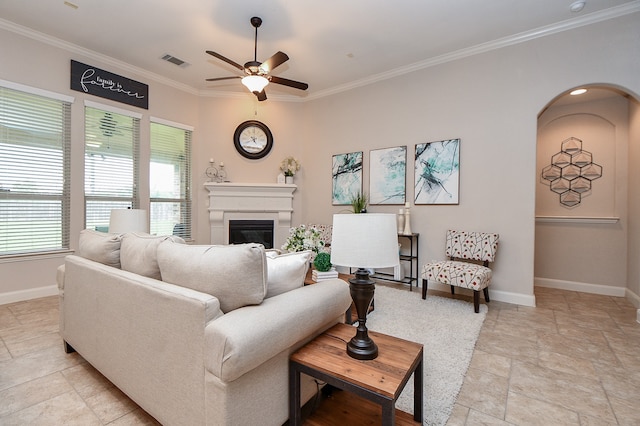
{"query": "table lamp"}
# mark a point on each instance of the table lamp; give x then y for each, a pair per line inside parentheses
(365, 240)
(128, 220)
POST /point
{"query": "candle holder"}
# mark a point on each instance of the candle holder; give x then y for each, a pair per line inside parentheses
(216, 174)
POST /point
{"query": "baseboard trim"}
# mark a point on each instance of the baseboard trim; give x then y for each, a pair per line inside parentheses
(634, 299)
(497, 295)
(32, 293)
(604, 290)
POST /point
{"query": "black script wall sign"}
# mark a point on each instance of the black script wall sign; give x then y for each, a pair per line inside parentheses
(92, 80)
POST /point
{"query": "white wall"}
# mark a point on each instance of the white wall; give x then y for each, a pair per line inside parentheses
(587, 255)
(218, 121)
(490, 101)
(633, 274)
(43, 66)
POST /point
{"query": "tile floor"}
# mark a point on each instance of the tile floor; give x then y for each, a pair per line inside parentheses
(573, 360)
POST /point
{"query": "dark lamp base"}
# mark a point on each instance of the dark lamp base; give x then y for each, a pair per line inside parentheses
(362, 349)
(362, 290)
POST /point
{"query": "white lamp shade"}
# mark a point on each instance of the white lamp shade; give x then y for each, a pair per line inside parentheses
(365, 240)
(255, 83)
(128, 220)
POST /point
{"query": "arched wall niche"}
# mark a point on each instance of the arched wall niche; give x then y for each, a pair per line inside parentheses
(587, 246)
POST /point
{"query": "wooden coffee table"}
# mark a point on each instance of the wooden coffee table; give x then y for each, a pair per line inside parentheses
(380, 380)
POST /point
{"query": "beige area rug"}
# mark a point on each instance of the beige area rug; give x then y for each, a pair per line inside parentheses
(447, 328)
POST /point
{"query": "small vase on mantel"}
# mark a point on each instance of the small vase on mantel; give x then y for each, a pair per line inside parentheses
(288, 179)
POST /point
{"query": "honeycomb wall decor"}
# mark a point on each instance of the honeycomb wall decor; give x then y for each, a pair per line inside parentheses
(571, 172)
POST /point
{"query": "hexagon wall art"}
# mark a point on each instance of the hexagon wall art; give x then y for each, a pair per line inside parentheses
(571, 172)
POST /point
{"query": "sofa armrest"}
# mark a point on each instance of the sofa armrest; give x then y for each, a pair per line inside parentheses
(245, 338)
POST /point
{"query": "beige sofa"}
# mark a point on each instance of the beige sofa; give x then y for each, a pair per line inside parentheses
(203, 345)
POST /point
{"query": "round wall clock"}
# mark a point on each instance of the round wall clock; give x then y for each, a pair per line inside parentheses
(253, 139)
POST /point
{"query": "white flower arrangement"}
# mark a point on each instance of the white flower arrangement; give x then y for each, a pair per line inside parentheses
(290, 166)
(302, 238)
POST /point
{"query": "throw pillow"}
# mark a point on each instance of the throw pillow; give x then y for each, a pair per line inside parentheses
(235, 274)
(100, 247)
(139, 253)
(286, 272)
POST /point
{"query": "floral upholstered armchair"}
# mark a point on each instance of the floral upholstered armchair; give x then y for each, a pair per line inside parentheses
(463, 249)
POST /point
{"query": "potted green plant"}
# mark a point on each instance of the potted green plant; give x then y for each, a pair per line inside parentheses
(359, 202)
(322, 262)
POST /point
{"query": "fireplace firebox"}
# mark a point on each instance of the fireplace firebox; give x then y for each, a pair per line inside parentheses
(251, 231)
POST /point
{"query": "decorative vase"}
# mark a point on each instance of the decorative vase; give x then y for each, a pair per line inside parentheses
(281, 178)
(288, 179)
(407, 222)
(400, 219)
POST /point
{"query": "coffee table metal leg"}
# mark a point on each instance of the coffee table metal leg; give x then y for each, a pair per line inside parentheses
(417, 392)
(295, 415)
(388, 413)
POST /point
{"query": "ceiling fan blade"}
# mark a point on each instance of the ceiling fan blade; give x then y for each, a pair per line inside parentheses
(223, 78)
(262, 96)
(287, 82)
(227, 60)
(276, 60)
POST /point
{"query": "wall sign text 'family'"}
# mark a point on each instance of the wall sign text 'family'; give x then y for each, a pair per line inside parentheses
(97, 82)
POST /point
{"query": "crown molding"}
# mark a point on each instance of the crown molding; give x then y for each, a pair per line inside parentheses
(74, 48)
(569, 24)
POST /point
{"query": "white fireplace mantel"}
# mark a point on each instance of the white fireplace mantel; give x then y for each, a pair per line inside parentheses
(246, 201)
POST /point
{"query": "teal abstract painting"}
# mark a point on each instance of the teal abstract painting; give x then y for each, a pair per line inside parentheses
(437, 172)
(387, 175)
(346, 176)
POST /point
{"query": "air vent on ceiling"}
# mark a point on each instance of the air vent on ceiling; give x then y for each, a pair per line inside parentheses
(174, 60)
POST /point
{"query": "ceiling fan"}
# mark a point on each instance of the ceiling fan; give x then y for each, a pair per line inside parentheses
(257, 75)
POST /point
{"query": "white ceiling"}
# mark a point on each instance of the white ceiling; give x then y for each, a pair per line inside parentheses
(332, 44)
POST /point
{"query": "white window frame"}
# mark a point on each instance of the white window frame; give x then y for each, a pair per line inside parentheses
(36, 236)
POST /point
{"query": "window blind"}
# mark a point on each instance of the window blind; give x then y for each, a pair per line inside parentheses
(170, 180)
(111, 163)
(35, 142)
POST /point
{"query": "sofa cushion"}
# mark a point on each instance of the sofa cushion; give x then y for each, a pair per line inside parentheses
(286, 271)
(235, 274)
(138, 253)
(100, 247)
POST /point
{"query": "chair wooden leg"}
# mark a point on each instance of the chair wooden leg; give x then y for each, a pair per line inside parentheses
(476, 301)
(424, 288)
(486, 294)
(453, 290)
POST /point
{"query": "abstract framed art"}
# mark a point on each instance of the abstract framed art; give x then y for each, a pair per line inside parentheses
(437, 172)
(346, 176)
(387, 175)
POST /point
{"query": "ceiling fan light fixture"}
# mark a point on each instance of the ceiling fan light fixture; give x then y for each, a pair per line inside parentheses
(255, 83)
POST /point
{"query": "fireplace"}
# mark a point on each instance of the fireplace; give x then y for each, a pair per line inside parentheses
(251, 231)
(229, 201)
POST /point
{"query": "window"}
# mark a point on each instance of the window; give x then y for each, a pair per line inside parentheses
(170, 180)
(35, 141)
(112, 139)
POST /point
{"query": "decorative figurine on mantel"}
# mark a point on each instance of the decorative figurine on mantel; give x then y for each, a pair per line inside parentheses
(216, 174)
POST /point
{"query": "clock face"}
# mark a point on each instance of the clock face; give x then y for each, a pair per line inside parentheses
(253, 139)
